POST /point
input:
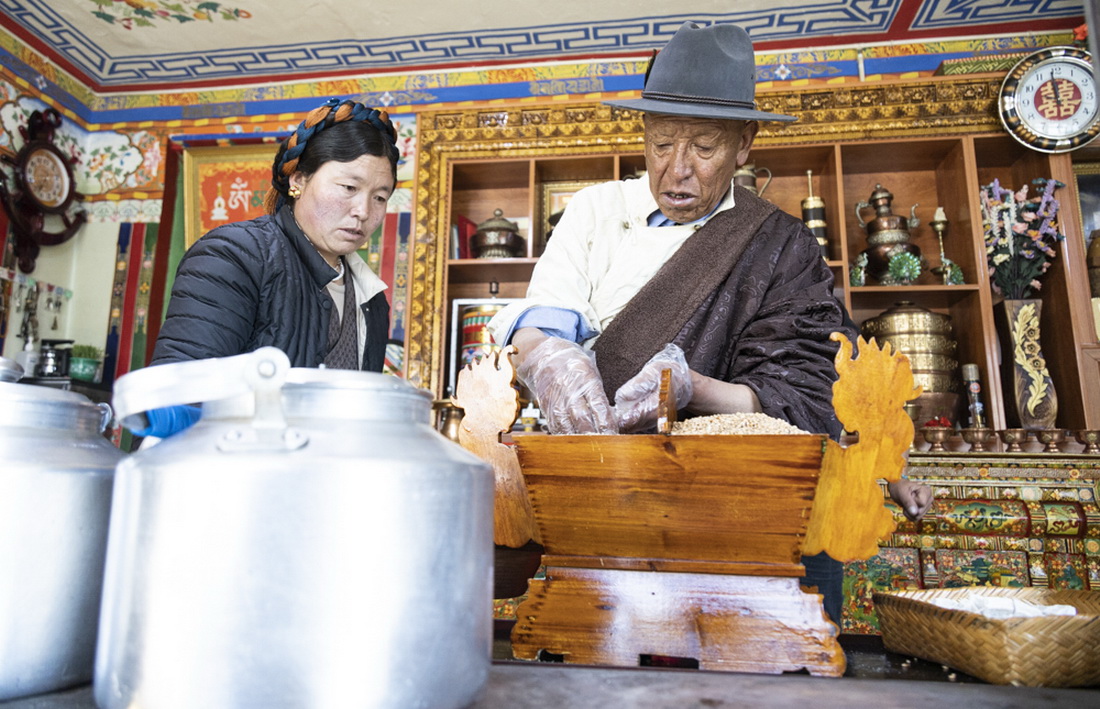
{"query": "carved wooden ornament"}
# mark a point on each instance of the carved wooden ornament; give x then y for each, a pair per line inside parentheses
(848, 515)
(484, 390)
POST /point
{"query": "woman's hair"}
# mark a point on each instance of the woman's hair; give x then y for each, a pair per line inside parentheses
(340, 131)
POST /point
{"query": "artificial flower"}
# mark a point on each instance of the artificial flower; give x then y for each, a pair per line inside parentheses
(1020, 234)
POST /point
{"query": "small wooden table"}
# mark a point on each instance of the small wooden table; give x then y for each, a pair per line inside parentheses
(689, 547)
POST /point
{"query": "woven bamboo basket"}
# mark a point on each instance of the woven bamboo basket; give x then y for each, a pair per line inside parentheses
(1047, 651)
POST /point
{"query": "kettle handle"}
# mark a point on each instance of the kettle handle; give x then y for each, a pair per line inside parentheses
(767, 182)
(199, 380)
(861, 205)
(106, 415)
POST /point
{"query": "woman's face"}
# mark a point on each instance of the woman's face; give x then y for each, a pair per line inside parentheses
(343, 203)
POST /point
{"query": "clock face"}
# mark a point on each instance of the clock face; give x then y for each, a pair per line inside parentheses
(47, 178)
(1049, 101)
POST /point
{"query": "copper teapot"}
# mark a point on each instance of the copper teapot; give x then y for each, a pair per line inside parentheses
(747, 175)
(887, 233)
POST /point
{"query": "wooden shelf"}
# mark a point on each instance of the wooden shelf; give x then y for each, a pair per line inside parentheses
(484, 270)
(929, 164)
(931, 297)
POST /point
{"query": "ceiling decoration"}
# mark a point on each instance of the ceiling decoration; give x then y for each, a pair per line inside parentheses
(155, 45)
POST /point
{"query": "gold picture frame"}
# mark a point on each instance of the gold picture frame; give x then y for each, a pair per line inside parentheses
(1087, 176)
(553, 198)
(224, 184)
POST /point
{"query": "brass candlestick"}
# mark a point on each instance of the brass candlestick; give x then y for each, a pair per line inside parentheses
(939, 225)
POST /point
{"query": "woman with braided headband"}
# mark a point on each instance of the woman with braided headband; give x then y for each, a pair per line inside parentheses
(292, 278)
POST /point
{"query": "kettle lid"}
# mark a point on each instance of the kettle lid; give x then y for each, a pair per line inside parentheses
(16, 393)
(43, 406)
(497, 222)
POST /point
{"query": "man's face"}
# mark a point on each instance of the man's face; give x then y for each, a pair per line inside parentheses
(691, 161)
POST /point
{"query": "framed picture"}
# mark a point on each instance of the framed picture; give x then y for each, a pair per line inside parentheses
(554, 198)
(470, 333)
(1087, 175)
(224, 184)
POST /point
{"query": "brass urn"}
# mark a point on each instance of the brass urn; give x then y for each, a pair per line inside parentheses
(887, 233)
(497, 237)
(927, 339)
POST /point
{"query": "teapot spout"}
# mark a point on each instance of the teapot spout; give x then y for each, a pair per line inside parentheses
(913, 221)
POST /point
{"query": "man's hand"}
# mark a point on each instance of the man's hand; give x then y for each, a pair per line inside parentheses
(636, 401)
(564, 379)
(913, 498)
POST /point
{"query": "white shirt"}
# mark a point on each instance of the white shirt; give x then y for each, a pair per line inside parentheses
(600, 255)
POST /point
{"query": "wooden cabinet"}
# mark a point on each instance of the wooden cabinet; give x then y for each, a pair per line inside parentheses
(998, 519)
(931, 142)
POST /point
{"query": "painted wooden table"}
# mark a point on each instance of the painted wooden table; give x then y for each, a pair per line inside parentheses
(999, 519)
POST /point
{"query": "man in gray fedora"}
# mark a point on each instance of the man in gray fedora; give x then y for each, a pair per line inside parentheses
(694, 273)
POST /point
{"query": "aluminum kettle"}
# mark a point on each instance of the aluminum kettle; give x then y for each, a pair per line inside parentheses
(312, 541)
(55, 504)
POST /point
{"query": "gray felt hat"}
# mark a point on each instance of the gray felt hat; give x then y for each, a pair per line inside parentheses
(703, 72)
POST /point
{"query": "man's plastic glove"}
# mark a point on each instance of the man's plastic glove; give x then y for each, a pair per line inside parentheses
(636, 401)
(563, 377)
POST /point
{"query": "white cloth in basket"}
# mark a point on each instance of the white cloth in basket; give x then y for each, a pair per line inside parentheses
(1001, 607)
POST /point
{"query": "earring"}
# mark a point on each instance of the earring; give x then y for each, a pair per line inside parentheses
(294, 192)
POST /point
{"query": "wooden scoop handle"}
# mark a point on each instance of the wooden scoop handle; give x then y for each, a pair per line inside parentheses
(666, 404)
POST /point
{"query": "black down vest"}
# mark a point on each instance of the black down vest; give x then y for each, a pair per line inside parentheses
(252, 284)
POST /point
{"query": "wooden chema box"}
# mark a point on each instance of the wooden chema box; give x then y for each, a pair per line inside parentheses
(688, 547)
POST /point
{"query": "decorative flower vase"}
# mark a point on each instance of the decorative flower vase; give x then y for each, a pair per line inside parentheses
(1033, 403)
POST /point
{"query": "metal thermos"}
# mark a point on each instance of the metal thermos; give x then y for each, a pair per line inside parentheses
(312, 541)
(55, 504)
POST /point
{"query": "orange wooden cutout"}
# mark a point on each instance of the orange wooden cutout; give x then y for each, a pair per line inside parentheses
(485, 392)
(848, 517)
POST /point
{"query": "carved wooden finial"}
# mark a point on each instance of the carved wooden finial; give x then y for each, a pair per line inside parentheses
(484, 390)
(848, 517)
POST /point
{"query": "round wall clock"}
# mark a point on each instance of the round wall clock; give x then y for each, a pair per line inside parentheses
(1049, 100)
(47, 178)
(43, 186)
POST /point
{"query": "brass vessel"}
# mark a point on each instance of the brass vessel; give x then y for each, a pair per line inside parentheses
(498, 237)
(924, 330)
(927, 339)
(448, 417)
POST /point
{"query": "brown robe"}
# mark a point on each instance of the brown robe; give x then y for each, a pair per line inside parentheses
(750, 301)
